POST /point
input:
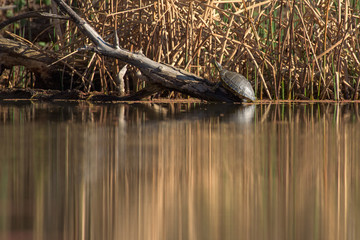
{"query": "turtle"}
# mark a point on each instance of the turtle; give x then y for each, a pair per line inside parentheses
(236, 83)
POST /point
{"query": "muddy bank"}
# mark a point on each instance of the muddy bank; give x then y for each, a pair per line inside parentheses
(14, 94)
(51, 95)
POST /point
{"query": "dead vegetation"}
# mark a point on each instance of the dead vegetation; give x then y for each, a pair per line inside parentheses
(287, 49)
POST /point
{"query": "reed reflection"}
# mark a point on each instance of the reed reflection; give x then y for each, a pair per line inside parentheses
(179, 171)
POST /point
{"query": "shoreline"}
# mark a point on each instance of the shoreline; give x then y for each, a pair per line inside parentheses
(22, 94)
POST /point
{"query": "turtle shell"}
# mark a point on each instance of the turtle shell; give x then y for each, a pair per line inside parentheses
(236, 83)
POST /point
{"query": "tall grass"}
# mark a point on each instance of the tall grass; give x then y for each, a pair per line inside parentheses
(288, 49)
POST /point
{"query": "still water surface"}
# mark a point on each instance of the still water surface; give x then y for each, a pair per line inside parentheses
(179, 171)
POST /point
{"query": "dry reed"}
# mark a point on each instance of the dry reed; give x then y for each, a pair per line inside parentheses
(287, 49)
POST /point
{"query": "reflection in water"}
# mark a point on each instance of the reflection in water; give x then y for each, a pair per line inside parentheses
(179, 171)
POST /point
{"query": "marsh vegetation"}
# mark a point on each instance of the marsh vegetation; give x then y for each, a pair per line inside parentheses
(287, 49)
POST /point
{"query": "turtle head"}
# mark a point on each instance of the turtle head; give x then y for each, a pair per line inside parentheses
(218, 66)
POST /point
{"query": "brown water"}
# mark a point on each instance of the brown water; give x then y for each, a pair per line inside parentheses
(179, 171)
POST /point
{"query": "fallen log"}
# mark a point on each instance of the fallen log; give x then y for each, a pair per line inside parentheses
(162, 75)
(16, 53)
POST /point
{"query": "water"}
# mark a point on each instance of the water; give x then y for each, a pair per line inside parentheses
(179, 171)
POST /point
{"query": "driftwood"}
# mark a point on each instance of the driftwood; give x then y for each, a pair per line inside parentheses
(31, 15)
(46, 67)
(162, 75)
(14, 53)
